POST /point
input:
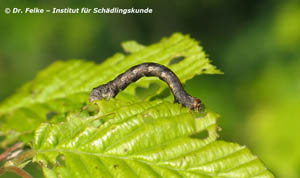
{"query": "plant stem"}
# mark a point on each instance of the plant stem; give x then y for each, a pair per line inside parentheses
(7, 152)
(22, 173)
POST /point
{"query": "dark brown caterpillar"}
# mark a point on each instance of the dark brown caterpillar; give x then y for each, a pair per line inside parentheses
(112, 88)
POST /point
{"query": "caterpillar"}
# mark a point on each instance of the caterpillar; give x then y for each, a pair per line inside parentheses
(112, 88)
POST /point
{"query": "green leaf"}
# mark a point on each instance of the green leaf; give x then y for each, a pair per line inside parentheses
(141, 139)
(132, 46)
(64, 87)
(134, 135)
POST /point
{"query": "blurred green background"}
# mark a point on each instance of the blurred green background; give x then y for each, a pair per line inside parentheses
(255, 42)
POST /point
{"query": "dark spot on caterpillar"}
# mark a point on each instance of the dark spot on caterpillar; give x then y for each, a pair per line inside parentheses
(112, 88)
(176, 60)
(116, 166)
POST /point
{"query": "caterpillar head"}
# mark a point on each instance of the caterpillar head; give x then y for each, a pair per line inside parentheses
(102, 92)
(197, 105)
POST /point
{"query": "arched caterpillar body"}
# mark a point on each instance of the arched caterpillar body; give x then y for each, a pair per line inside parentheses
(112, 88)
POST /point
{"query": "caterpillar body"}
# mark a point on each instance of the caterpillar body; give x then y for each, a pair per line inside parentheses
(112, 88)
